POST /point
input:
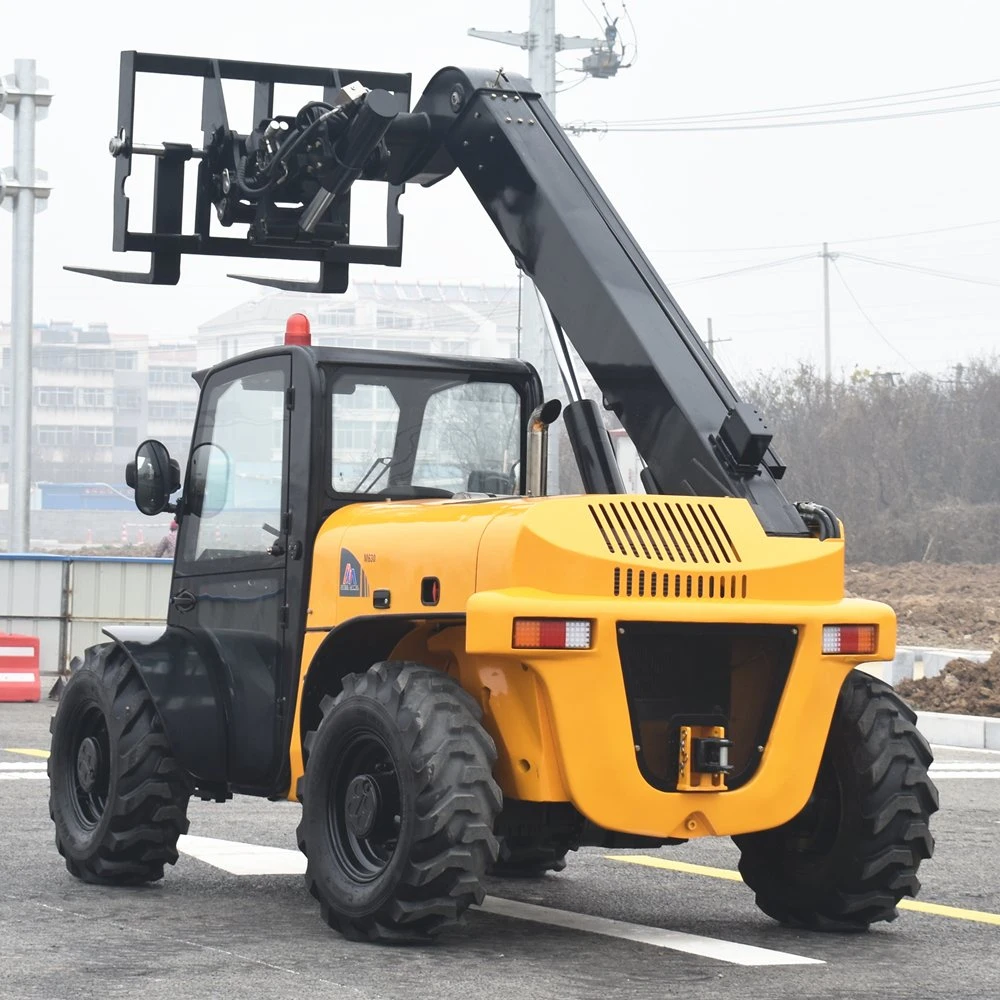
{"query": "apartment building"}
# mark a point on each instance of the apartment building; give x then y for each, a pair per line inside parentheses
(428, 317)
(95, 396)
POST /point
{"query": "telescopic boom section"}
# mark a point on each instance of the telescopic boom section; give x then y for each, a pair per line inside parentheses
(289, 181)
(678, 408)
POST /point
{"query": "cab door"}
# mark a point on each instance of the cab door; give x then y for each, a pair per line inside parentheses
(230, 587)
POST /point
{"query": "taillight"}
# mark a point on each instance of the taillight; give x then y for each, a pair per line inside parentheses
(552, 633)
(850, 638)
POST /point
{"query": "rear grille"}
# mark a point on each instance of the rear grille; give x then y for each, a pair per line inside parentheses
(695, 674)
(687, 532)
(649, 583)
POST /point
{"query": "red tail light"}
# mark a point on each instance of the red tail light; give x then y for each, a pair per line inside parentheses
(553, 633)
(850, 638)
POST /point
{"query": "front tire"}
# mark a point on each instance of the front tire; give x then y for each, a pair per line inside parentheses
(849, 857)
(399, 804)
(116, 795)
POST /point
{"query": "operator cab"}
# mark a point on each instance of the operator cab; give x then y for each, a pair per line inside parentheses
(286, 436)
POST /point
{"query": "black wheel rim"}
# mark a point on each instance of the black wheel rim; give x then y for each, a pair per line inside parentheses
(364, 812)
(88, 767)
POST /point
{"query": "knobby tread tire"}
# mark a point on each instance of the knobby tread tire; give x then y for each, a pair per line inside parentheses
(887, 798)
(446, 843)
(146, 809)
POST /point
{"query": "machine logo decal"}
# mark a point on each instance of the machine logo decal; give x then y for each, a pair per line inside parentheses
(353, 581)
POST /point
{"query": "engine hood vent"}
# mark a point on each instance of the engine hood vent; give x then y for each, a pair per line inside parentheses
(630, 582)
(679, 532)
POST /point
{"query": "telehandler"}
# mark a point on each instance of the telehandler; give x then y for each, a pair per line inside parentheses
(453, 672)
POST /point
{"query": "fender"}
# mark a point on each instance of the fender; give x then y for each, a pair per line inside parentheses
(184, 679)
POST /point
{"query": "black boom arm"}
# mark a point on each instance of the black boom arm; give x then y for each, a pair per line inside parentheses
(289, 178)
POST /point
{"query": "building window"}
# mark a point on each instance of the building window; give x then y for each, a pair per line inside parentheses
(54, 395)
(126, 361)
(336, 317)
(96, 436)
(53, 435)
(172, 409)
(386, 319)
(169, 376)
(126, 437)
(4, 395)
(53, 358)
(159, 410)
(127, 399)
(95, 360)
(90, 398)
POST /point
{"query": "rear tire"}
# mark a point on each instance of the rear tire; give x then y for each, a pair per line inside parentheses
(399, 804)
(116, 795)
(849, 857)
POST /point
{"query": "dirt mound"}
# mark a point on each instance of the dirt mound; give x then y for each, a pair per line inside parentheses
(936, 604)
(963, 687)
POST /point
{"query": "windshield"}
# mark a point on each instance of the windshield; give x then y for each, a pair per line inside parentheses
(423, 434)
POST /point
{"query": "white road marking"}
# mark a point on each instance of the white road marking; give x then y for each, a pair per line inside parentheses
(964, 765)
(252, 859)
(21, 766)
(692, 944)
(243, 859)
(945, 775)
(23, 776)
(945, 769)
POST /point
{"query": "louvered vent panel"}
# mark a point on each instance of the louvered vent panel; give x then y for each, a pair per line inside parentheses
(670, 586)
(685, 532)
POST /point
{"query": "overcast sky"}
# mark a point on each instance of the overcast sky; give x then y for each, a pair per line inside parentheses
(695, 200)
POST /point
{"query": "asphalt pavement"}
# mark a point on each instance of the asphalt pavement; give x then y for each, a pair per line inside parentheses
(631, 925)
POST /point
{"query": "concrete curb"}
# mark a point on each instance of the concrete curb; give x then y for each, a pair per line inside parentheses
(973, 732)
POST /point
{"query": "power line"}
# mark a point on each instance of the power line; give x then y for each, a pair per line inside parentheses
(830, 107)
(869, 320)
(744, 270)
(812, 243)
(600, 23)
(635, 34)
(933, 272)
(578, 128)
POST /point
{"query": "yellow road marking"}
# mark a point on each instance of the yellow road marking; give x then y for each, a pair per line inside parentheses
(676, 866)
(937, 909)
(27, 753)
(955, 912)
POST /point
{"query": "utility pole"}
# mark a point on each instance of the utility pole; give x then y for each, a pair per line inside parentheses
(24, 96)
(712, 341)
(542, 44)
(827, 351)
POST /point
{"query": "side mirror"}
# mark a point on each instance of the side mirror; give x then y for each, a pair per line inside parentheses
(208, 481)
(154, 476)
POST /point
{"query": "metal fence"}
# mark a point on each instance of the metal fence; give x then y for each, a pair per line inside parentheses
(67, 600)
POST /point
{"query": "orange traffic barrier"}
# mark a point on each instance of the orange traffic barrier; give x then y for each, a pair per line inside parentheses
(19, 675)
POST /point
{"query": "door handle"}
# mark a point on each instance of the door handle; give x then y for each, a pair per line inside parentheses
(183, 600)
